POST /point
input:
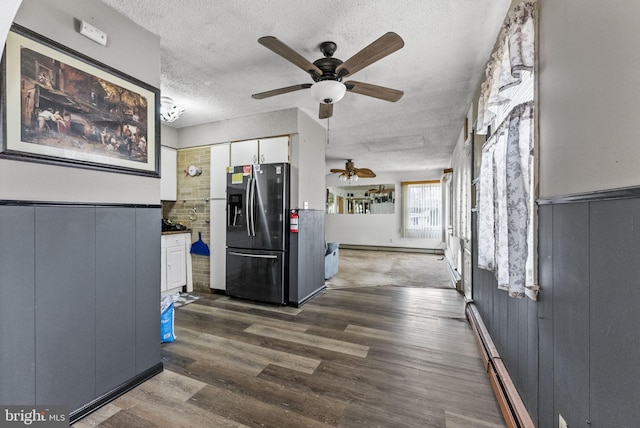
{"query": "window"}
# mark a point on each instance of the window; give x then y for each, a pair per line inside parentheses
(422, 209)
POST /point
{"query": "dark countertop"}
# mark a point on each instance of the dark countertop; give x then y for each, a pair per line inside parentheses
(175, 232)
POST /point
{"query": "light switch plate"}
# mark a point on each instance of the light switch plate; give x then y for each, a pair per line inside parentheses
(93, 33)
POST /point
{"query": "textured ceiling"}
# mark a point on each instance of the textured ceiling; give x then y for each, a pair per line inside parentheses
(212, 63)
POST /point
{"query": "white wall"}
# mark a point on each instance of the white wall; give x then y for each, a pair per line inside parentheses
(377, 229)
(309, 158)
(57, 20)
(589, 89)
(9, 9)
(169, 136)
(272, 124)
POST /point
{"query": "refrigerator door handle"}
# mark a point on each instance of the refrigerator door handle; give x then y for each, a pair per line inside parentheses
(255, 256)
(246, 208)
(253, 207)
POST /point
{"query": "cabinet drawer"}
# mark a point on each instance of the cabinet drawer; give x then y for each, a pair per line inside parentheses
(178, 240)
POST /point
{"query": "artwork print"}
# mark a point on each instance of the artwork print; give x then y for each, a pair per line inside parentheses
(60, 108)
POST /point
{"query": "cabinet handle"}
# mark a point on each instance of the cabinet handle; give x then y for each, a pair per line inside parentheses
(255, 159)
(261, 158)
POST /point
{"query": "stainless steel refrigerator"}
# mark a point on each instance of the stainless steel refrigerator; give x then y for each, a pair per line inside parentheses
(257, 240)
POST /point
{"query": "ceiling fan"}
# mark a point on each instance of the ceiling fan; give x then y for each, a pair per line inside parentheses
(328, 72)
(380, 189)
(352, 173)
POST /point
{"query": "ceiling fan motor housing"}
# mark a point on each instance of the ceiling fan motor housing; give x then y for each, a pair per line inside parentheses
(328, 66)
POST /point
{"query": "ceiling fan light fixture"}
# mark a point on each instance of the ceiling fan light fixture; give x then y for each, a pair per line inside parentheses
(348, 177)
(169, 111)
(328, 91)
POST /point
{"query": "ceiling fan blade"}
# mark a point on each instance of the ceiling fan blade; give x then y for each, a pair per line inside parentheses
(326, 111)
(374, 91)
(385, 45)
(365, 173)
(289, 54)
(342, 171)
(280, 91)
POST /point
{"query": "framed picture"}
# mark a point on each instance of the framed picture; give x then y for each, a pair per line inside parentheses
(61, 107)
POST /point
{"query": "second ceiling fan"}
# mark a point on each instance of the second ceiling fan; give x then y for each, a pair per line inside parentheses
(328, 72)
(350, 172)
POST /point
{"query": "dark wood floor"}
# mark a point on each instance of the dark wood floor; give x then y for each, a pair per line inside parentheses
(383, 356)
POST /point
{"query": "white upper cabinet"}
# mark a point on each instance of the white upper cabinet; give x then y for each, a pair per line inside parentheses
(264, 150)
(169, 177)
(274, 150)
(244, 152)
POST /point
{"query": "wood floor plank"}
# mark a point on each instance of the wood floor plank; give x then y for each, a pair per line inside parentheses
(427, 341)
(453, 420)
(224, 315)
(289, 310)
(310, 340)
(241, 351)
(249, 411)
(97, 417)
(362, 414)
(296, 397)
(163, 401)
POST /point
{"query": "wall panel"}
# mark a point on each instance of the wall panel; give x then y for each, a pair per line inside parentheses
(65, 305)
(571, 310)
(115, 297)
(17, 297)
(147, 280)
(614, 315)
(544, 378)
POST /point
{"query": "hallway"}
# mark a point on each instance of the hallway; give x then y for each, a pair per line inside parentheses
(386, 356)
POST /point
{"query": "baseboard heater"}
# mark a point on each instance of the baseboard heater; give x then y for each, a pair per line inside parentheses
(438, 251)
(513, 409)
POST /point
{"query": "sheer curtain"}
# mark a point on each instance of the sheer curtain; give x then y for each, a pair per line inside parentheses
(505, 192)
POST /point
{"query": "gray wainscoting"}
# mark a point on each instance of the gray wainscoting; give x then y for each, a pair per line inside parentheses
(79, 300)
(575, 352)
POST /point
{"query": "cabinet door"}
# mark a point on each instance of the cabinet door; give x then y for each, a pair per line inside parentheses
(163, 269)
(168, 174)
(176, 267)
(244, 153)
(274, 150)
(219, 164)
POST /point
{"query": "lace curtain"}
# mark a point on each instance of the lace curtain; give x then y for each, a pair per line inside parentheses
(505, 200)
(504, 226)
(514, 55)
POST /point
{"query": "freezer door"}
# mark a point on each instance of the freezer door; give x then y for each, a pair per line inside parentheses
(238, 206)
(256, 275)
(270, 192)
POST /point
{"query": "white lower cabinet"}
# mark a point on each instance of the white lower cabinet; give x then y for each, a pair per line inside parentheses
(176, 263)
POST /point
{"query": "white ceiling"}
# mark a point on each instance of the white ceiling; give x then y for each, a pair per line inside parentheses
(212, 63)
